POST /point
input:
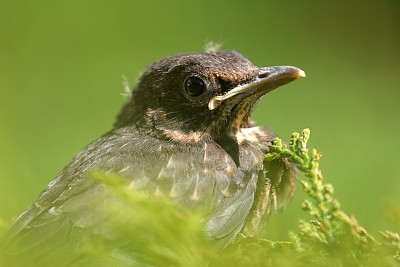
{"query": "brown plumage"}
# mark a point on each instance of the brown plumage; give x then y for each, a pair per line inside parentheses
(186, 134)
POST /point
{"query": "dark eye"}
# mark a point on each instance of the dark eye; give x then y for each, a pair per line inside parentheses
(194, 86)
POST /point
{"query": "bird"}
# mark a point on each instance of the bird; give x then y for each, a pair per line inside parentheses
(186, 134)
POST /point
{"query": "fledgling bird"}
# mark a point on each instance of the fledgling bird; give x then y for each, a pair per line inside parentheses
(185, 133)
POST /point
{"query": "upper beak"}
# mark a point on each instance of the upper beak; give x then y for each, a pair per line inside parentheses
(268, 79)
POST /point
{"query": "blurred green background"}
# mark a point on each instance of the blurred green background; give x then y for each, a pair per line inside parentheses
(62, 63)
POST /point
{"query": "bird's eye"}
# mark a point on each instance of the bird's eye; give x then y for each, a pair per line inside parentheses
(194, 86)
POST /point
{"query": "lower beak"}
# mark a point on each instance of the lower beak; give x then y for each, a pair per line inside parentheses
(268, 79)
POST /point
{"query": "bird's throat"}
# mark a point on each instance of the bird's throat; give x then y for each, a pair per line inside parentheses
(240, 114)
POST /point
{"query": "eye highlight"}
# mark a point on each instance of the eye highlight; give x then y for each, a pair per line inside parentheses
(195, 86)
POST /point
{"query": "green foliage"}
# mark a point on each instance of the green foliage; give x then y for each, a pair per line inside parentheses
(156, 232)
(331, 236)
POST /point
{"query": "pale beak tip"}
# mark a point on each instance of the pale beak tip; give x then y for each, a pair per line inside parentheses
(301, 74)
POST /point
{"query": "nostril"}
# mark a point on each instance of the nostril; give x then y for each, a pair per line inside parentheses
(263, 75)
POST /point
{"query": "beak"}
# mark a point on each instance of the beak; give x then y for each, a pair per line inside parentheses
(268, 79)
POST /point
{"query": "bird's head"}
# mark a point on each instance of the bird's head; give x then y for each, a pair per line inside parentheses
(210, 92)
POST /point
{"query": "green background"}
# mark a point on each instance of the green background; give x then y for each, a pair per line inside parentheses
(62, 63)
